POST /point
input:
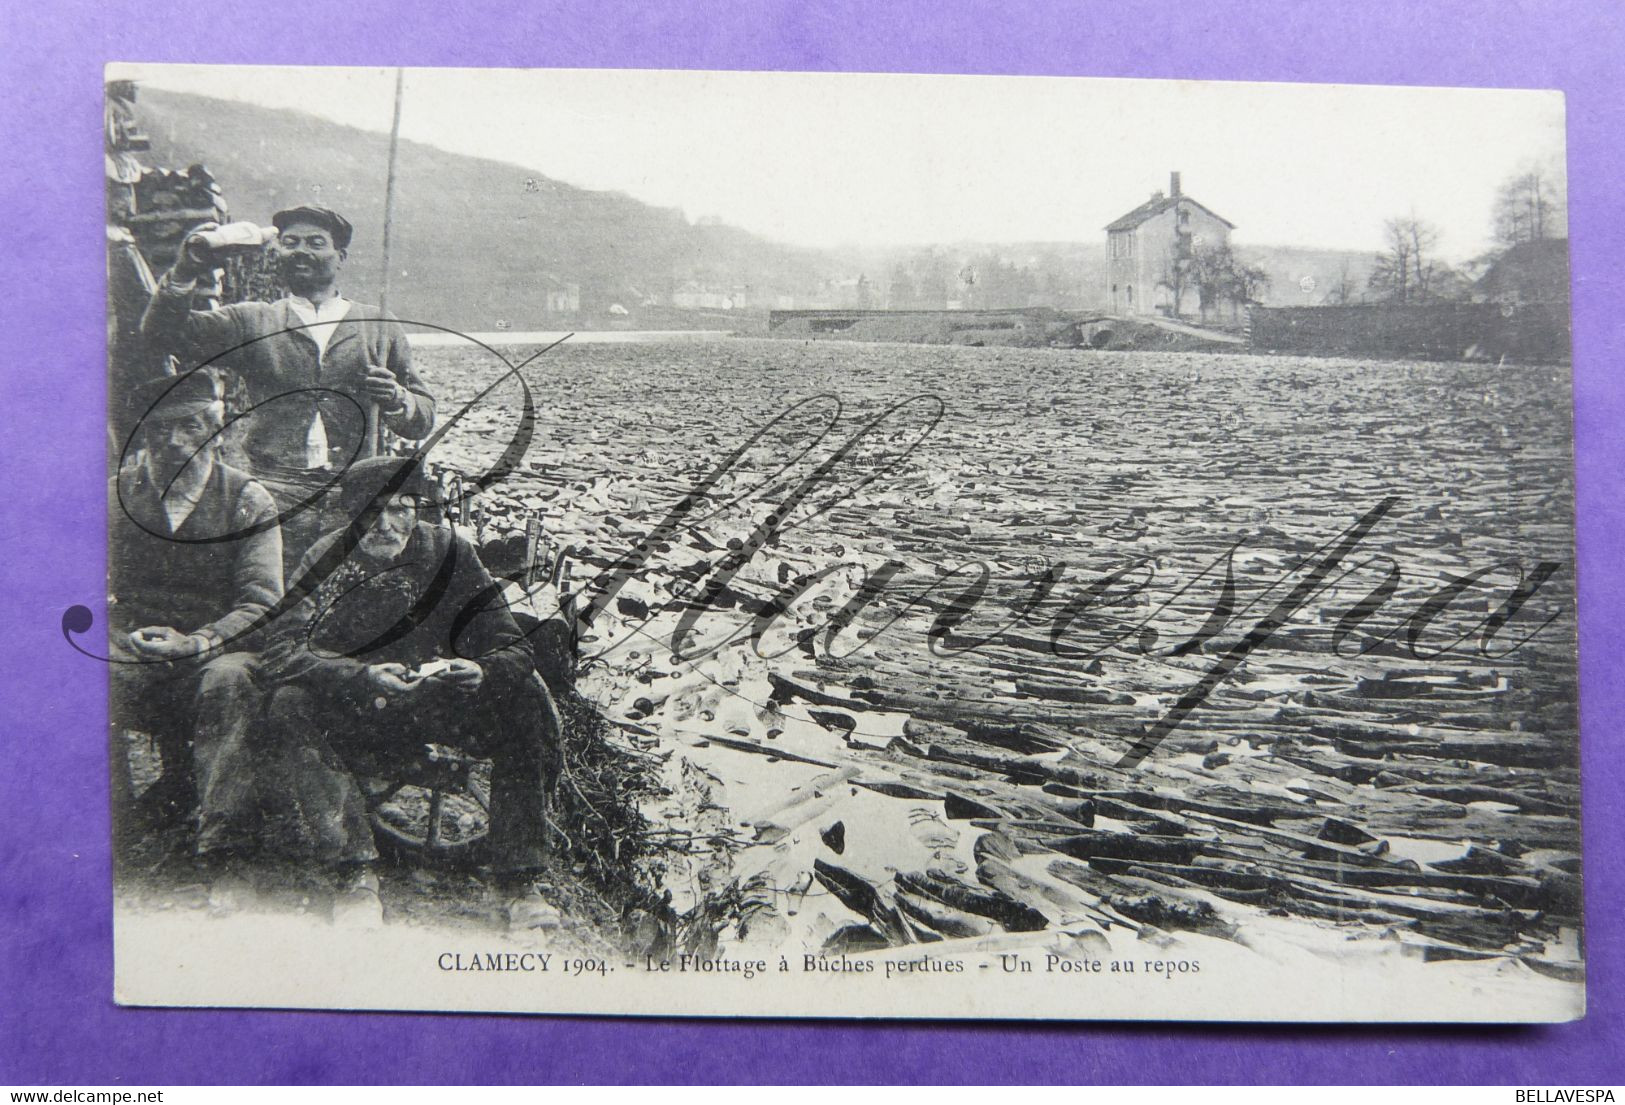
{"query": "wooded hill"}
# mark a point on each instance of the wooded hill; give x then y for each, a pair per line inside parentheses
(476, 240)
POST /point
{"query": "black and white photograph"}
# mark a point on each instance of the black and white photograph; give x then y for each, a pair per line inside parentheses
(764, 544)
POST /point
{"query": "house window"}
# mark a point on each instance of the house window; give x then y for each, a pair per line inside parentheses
(1130, 290)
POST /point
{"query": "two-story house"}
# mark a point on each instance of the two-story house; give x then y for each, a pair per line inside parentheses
(1148, 253)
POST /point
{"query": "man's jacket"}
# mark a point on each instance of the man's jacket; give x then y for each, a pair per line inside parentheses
(289, 380)
(435, 600)
(216, 574)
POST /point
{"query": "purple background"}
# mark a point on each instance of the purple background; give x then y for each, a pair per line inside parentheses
(57, 1021)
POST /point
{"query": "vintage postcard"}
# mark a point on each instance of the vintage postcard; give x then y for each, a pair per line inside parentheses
(822, 545)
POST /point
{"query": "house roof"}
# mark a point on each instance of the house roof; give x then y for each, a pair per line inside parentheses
(1156, 206)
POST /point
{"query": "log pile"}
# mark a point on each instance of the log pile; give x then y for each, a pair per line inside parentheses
(1354, 774)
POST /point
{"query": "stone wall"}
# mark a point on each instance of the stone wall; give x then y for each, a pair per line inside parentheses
(1443, 331)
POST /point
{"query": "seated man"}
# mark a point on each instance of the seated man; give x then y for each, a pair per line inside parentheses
(195, 560)
(382, 598)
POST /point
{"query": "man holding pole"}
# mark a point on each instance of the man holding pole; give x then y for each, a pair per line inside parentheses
(323, 374)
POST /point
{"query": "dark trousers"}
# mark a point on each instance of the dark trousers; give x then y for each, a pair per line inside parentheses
(308, 502)
(315, 808)
(201, 713)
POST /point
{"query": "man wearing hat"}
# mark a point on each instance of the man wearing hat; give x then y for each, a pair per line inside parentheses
(195, 562)
(403, 639)
(313, 362)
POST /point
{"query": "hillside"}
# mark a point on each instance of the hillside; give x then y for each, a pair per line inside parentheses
(475, 239)
(479, 242)
(1327, 268)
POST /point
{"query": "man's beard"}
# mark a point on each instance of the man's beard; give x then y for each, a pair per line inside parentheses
(313, 277)
(382, 545)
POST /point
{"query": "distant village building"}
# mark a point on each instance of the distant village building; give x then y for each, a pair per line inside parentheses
(558, 296)
(1148, 253)
(695, 295)
(1529, 272)
(844, 293)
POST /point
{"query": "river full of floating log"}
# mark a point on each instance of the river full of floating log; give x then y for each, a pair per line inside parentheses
(860, 788)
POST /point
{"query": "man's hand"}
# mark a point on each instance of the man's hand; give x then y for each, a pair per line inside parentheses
(164, 642)
(382, 388)
(194, 258)
(390, 680)
(465, 675)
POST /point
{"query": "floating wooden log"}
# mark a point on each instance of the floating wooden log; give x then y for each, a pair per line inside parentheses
(1026, 825)
(765, 750)
(1465, 794)
(1059, 907)
(1483, 861)
(942, 918)
(1332, 764)
(858, 895)
(1171, 909)
(1061, 692)
(894, 789)
(1027, 740)
(1162, 849)
(959, 807)
(786, 691)
(1307, 844)
(1521, 892)
(854, 939)
(1009, 913)
(1252, 886)
(1504, 749)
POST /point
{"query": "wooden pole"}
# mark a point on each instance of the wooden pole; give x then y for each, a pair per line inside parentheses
(375, 429)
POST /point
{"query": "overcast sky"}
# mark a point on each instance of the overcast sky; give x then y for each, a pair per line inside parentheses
(832, 159)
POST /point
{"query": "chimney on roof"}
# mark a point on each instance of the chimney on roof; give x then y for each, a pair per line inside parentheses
(1173, 185)
(1157, 195)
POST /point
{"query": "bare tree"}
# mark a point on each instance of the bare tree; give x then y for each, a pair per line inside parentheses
(1530, 206)
(1406, 268)
(1391, 276)
(1219, 275)
(1423, 238)
(1248, 282)
(1342, 292)
(1175, 276)
(1210, 271)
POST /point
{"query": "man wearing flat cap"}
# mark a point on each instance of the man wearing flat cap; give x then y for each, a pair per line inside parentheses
(313, 362)
(195, 562)
(402, 639)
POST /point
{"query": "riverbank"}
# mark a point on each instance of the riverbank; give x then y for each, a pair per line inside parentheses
(1029, 328)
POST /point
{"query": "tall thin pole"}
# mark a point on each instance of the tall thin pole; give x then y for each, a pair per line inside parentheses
(389, 186)
(375, 429)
